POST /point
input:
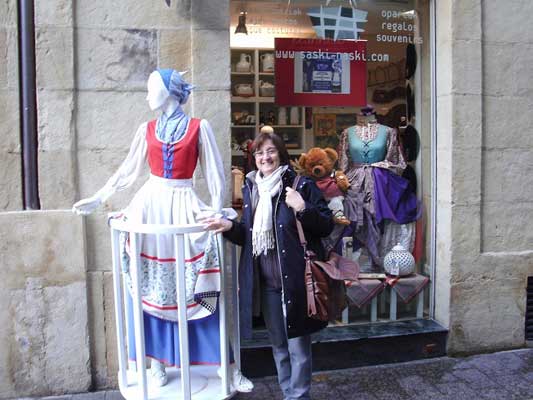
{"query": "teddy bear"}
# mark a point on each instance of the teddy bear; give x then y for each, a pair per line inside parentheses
(318, 164)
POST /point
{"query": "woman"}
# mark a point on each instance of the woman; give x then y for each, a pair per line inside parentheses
(271, 247)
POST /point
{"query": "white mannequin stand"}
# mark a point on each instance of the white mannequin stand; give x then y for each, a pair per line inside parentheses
(199, 382)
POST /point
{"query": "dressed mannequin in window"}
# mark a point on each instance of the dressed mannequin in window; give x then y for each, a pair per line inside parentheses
(171, 146)
(380, 203)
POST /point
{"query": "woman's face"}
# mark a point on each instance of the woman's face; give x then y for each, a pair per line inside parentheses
(267, 158)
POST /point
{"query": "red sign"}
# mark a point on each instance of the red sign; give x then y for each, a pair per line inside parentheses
(316, 72)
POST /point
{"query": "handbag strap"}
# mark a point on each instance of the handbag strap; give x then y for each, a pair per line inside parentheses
(299, 228)
(309, 281)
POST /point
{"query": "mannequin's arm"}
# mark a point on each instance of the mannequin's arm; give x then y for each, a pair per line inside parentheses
(211, 164)
(342, 151)
(394, 160)
(127, 173)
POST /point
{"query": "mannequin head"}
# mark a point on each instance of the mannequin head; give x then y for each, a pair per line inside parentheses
(167, 89)
(157, 92)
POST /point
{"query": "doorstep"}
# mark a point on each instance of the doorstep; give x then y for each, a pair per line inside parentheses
(339, 347)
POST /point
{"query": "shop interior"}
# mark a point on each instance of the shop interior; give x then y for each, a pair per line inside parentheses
(398, 93)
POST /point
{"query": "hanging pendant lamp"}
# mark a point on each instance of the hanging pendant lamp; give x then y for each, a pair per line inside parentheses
(241, 27)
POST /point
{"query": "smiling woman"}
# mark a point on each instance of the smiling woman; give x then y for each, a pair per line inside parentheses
(272, 260)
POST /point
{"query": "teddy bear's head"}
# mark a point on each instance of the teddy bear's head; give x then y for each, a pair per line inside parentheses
(318, 163)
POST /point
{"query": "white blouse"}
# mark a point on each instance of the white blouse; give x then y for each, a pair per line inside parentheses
(136, 160)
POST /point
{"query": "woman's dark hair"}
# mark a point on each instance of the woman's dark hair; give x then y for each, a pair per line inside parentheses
(276, 141)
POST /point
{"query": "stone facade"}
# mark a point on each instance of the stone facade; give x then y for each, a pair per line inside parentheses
(484, 202)
(93, 59)
(44, 319)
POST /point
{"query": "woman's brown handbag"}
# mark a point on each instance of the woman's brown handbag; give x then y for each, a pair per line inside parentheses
(324, 280)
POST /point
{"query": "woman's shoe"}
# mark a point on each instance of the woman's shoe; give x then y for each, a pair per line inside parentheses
(158, 373)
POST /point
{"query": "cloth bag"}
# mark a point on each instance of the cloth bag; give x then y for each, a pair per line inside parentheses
(324, 280)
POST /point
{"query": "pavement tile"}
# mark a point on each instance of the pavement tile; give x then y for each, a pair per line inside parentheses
(497, 363)
(416, 385)
(499, 394)
(458, 391)
(382, 394)
(516, 384)
(433, 373)
(348, 393)
(323, 390)
(476, 379)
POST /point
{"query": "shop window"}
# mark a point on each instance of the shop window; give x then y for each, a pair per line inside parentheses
(384, 138)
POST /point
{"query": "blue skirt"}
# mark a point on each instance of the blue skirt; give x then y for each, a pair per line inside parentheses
(162, 339)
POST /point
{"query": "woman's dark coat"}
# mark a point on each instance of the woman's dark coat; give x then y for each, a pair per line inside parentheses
(317, 222)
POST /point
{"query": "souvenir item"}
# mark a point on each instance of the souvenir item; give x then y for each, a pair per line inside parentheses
(399, 262)
(295, 116)
(244, 89)
(266, 89)
(244, 64)
(282, 116)
(267, 62)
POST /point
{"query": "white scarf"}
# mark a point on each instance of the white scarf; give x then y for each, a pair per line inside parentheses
(263, 233)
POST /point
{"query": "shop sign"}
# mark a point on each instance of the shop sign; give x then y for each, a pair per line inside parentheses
(315, 72)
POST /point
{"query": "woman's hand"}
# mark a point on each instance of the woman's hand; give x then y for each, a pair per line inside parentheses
(294, 200)
(217, 224)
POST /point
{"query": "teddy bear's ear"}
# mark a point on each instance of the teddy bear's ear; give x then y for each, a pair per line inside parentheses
(301, 160)
(332, 154)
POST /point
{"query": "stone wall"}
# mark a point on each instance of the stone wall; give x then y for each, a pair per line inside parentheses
(10, 161)
(484, 203)
(43, 318)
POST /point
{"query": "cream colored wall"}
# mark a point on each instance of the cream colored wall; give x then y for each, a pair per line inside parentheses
(10, 165)
(484, 254)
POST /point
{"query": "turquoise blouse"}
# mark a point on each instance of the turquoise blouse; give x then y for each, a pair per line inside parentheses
(367, 152)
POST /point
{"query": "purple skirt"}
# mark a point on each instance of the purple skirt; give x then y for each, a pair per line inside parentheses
(393, 198)
(376, 195)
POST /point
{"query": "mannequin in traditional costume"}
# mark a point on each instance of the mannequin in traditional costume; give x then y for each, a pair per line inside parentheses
(171, 146)
(380, 203)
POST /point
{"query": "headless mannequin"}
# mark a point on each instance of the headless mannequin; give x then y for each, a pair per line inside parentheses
(159, 100)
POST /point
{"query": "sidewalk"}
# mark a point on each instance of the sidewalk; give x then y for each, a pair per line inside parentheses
(499, 376)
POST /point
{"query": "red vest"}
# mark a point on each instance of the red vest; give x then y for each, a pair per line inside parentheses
(174, 160)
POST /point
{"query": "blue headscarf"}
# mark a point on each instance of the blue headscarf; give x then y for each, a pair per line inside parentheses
(171, 128)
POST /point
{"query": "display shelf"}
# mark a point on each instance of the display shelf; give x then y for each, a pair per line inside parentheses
(292, 152)
(260, 106)
(251, 99)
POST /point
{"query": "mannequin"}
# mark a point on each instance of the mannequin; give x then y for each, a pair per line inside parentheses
(168, 198)
(380, 203)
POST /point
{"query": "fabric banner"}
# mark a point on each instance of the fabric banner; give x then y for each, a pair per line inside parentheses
(316, 72)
